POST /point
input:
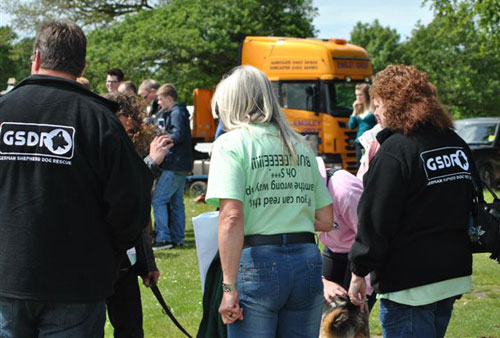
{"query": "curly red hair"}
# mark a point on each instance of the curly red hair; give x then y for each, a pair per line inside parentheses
(410, 100)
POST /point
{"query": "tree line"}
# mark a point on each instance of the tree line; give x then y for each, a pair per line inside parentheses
(192, 43)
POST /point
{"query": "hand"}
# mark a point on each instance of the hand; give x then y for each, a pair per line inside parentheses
(357, 107)
(152, 275)
(158, 149)
(332, 290)
(357, 291)
(229, 308)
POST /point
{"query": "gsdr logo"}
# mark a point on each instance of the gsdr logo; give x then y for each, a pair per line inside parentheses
(37, 139)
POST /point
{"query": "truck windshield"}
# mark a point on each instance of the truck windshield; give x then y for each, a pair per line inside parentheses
(477, 133)
(301, 95)
(339, 97)
(334, 98)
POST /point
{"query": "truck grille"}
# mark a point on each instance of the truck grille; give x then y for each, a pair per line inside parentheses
(350, 139)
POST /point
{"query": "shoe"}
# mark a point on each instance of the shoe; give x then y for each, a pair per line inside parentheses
(162, 245)
(178, 245)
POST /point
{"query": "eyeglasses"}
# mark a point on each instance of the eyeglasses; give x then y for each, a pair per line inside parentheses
(111, 81)
(145, 95)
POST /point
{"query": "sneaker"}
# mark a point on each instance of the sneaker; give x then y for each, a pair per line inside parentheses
(162, 245)
(178, 245)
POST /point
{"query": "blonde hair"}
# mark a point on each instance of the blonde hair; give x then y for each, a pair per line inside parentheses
(365, 89)
(166, 90)
(245, 97)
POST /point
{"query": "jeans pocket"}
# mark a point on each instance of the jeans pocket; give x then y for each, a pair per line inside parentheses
(315, 272)
(5, 314)
(393, 315)
(67, 315)
(259, 280)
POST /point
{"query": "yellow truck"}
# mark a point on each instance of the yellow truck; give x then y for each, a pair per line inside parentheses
(314, 80)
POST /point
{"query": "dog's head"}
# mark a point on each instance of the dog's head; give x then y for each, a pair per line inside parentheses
(342, 319)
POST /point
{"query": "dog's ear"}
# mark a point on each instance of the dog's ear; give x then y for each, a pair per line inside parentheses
(333, 322)
(341, 317)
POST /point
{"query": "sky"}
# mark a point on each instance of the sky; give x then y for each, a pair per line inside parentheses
(336, 18)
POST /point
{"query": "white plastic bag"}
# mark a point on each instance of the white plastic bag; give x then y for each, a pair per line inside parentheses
(205, 235)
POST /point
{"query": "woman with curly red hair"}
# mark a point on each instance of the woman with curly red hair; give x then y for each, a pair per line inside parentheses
(414, 211)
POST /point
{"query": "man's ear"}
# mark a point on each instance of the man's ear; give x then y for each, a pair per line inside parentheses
(35, 64)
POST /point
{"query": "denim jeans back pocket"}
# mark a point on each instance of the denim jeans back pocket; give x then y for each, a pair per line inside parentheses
(259, 280)
(5, 314)
(315, 272)
(394, 316)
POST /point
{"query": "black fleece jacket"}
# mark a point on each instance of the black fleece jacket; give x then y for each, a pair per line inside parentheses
(74, 193)
(414, 211)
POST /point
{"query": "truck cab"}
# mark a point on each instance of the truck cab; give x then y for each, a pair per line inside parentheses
(314, 81)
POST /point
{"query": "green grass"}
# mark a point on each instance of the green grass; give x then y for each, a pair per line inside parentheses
(477, 314)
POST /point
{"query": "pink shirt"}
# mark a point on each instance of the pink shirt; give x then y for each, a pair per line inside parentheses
(345, 190)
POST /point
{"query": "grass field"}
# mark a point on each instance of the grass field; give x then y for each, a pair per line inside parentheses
(477, 314)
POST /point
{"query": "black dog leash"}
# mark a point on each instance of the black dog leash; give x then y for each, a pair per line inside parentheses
(164, 305)
(158, 295)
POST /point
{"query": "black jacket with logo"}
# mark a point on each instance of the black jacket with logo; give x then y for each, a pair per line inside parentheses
(414, 211)
(74, 193)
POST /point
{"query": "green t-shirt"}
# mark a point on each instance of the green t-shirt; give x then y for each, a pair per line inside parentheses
(248, 164)
(430, 293)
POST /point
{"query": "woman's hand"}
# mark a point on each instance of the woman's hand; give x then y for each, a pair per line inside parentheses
(229, 308)
(158, 149)
(357, 291)
(357, 108)
(332, 290)
(152, 276)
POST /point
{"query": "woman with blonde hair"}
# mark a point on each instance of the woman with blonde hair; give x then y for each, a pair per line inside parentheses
(265, 179)
(362, 116)
(413, 214)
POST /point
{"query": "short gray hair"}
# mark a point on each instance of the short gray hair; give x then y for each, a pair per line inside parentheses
(148, 84)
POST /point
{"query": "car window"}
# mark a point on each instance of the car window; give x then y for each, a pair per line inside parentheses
(477, 133)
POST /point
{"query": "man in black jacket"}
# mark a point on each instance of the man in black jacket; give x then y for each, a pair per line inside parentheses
(66, 218)
(170, 187)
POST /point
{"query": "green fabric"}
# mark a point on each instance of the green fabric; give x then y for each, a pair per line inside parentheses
(211, 325)
(248, 164)
(430, 293)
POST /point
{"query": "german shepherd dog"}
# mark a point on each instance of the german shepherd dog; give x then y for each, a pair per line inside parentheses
(342, 319)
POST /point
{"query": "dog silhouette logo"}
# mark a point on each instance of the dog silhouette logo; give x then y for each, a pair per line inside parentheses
(59, 141)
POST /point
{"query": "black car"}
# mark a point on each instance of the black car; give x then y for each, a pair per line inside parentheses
(482, 135)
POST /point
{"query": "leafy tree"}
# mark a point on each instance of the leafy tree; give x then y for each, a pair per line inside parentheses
(382, 43)
(7, 66)
(29, 13)
(484, 13)
(191, 43)
(460, 57)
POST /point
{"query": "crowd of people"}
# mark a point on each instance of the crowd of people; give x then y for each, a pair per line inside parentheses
(76, 184)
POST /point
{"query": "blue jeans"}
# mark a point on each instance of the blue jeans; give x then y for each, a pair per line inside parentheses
(29, 318)
(280, 290)
(170, 190)
(405, 321)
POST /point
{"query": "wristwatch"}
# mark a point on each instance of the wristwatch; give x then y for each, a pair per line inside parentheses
(228, 287)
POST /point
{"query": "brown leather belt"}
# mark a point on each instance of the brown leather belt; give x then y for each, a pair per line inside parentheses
(279, 239)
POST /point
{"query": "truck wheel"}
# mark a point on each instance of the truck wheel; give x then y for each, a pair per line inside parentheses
(197, 188)
(486, 174)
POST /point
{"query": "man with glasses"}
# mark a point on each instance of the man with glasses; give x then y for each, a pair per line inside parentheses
(147, 90)
(114, 79)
